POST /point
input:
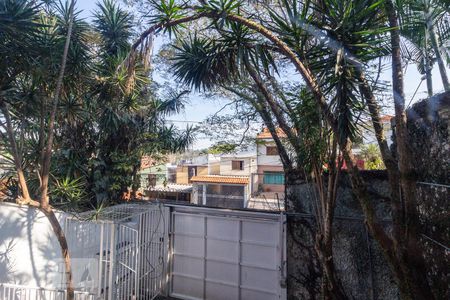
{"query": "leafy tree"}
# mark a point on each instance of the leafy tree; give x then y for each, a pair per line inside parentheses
(351, 35)
(76, 141)
(372, 157)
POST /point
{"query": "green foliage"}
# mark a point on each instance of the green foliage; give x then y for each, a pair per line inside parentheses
(107, 117)
(222, 148)
(372, 157)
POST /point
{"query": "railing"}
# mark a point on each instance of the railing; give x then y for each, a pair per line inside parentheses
(21, 292)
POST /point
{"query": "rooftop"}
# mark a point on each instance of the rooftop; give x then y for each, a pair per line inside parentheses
(265, 134)
(182, 188)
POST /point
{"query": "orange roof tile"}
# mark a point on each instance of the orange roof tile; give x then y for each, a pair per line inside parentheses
(220, 179)
(265, 134)
(386, 118)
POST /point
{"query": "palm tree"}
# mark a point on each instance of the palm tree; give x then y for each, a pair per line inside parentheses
(406, 267)
(425, 24)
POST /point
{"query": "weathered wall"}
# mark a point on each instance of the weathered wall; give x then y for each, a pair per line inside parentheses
(361, 267)
(429, 130)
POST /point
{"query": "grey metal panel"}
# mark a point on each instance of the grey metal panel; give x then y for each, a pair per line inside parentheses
(221, 254)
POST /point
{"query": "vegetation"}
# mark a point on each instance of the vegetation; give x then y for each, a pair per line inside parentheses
(79, 108)
(372, 157)
(333, 46)
(76, 142)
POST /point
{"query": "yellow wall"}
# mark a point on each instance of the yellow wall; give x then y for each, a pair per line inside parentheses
(182, 175)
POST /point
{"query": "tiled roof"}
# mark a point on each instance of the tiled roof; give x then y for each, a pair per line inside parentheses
(265, 134)
(220, 179)
(386, 118)
(182, 188)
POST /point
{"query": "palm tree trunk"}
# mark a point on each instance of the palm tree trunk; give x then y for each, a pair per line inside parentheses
(45, 164)
(59, 233)
(437, 52)
(413, 281)
(45, 167)
(427, 65)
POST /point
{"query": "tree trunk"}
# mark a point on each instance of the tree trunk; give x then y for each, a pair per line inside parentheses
(59, 233)
(45, 165)
(437, 52)
(15, 152)
(427, 65)
(414, 283)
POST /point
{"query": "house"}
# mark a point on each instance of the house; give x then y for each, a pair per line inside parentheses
(269, 177)
(227, 183)
(220, 191)
(153, 175)
(186, 169)
(158, 182)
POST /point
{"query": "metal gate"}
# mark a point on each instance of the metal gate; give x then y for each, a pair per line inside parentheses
(122, 253)
(223, 254)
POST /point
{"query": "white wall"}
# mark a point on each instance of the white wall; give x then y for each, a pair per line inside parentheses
(226, 168)
(29, 252)
(267, 160)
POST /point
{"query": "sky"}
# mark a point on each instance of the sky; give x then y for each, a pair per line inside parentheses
(199, 108)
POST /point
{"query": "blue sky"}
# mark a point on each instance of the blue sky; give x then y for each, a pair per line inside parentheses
(200, 108)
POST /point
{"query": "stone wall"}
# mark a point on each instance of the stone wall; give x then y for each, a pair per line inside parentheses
(429, 131)
(360, 265)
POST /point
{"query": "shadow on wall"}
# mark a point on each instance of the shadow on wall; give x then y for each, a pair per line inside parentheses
(29, 253)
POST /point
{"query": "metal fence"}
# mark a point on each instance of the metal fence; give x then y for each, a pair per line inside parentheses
(120, 252)
(20, 292)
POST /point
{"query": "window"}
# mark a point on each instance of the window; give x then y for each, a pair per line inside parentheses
(151, 179)
(192, 171)
(271, 150)
(237, 165)
(273, 178)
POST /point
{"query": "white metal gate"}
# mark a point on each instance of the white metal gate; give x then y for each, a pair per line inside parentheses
(122, 254)
(222, 254)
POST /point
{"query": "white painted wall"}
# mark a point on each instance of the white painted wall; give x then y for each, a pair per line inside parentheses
(29, 252)
(249, 166)
(267, 160)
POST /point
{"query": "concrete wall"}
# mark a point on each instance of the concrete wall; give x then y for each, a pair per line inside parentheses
(214, 168)
(29, 252)
(267, 160)
(226, 169)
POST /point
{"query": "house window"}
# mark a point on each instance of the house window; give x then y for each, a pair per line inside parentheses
(192, 171)
(151, 179)
(237, 165)
(273, 178)
(271, 150)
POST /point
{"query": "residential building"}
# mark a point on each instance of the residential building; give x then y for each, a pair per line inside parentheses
(220, 191)
(153, 175)
(269, 178)
(158, 182)
(195, 166)
(227, 183)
